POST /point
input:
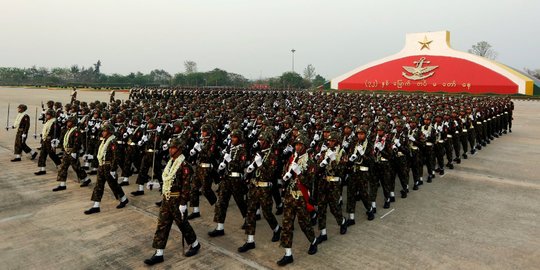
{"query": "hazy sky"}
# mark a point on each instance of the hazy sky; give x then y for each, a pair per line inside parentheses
(252, 37)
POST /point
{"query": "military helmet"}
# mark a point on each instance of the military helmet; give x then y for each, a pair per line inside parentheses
(381, 126)
(400, 123)
(178, 123)
(206, 127)
(301, 139)
(265, 136)
(72, 119)
(413, 119)
(23, 107)
(334, 136)
(177, 143)
(153, 121)
(361, 129)
(236, 133)
(107, 126)
(50, 112)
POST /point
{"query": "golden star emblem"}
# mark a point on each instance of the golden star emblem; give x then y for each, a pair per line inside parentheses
(425, 43)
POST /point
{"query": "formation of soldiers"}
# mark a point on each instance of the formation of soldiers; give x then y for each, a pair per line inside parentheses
(292, 151)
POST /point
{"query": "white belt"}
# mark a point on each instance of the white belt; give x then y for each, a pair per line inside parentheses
(364, 168)
(415, 147)
(399, 154)
(429, 144)
(441, 141)
(457, 132)
(119, 142)
(332, 179)
(505, 112)
(205, 165)
(464, 130)
(485, 121)
(262, 184)
(384, 159)
(448, 136)
(235, 174)
(478, 123)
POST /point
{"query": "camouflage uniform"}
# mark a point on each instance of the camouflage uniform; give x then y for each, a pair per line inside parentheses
(232, 184)
(169, 210)
(330, 190)
(202, 177)
(109, 165)
(260, 192)
(362, 168)
(20, 142)
(46, 147)
(72, 144)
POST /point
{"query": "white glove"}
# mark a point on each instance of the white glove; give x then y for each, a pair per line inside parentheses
(346, 144)
(250, 168)
(54, 143)
(227, 157)
(165, 147)
(113, 174)
(129, 131)
(222, 166)
(324, 163)
(125, 135)
(287, 176)
(97, 125)
(158, 128)
(312, 144)
(258, 160)
(23, 136)
(254, 132)
(74, 155)
(379, 146)
(331, 155)
(197, 147)
(192, 152)
(283, 137)
(256, 145)
(411, 138)
(440, 128)
(140, 143)
(318, 156)
(182, 209)
(353, 157)
(324, 147)
(360, 150)
(91, 123)
(276, 128)
(144, 138)
(317, 137)
(143, 125)
(296, 168)
(288, 149)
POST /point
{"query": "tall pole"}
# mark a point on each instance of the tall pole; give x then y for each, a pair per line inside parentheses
(293, 50)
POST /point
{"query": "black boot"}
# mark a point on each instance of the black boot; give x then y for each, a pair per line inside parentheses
(246, 247)
(122, 204)
(279, 210)
(193, 250)
(322, 238)
(158, 204)
(465, 156)
(430, 178)
(313, 248)
(92, 211)
(450, 166)
(16, 160)
(403, 194)
(40, 173)
(85, 183)
(370, 214)
(216, 233)
(124, 183)
(154, 260)
(416, 186)
(59, 188)
(285, 260)
(194, 215)
(350, 222)
(137, 193)
(441, 172)
(392, 199)
(343, 227)
(277, 235)
(386, 204)
(34, 155)
(258, 217)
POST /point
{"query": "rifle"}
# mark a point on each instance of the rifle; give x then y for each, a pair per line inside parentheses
(7, 121)
(35, 126)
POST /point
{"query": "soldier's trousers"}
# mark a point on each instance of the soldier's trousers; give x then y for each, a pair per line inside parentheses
(146, 164)
(455, 145)
(93, 146)
(383, 174)
(464, 143)
(428, 158)
(259, 196)
(448, 149)
(20, 144)
(122, 157)
(292, 208)
(401, 169)
(68, 160)
(415, 161)
(471, 137)
(201, 180)
(329, 193)
(47, 150)
(104, 175)
(230, 186)
(358, 183)
(439, 154)
(132, 158)
(169, 212)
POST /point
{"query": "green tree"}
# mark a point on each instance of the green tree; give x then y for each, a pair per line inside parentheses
(484, 49)
(318, 81)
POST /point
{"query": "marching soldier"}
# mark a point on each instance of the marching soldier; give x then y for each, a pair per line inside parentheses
(361, 161)
(401, 161)
(204, 151)
(382, 149)
(71, 145)
(150, 141)
(232, 166)
(175, 193)
(49, 142)
(22, 125)
(330, 186)
(297, 179)
(260, 191)
(108, 164)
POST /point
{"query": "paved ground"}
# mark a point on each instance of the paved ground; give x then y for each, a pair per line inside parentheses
(482, 215)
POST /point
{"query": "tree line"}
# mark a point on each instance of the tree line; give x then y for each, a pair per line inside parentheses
(92, 77)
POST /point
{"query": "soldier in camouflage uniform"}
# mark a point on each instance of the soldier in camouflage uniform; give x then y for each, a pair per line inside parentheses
(361, 163)
(205, 151)
(49, 141)
(134, 133)
(297, 179)
(71, 145)
(108, 164)
(260, 184)
(175, 196)
(330, 186)
(22, 125)
(400, 161)
(232, 167)
(382, 148)
(150, 142)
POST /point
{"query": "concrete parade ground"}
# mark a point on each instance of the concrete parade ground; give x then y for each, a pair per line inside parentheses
(484, 214)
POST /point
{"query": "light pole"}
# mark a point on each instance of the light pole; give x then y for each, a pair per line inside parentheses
(293, 50)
